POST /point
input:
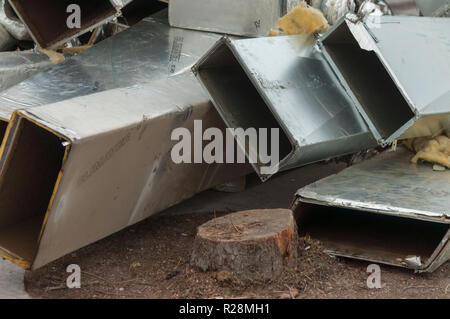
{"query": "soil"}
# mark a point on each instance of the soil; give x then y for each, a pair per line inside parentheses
(151, 260)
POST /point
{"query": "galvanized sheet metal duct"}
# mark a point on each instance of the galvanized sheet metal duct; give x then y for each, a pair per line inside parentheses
(78, 170)
(118, 123)
(246, 18)
(384, 210)
(18, 66)
(147, 51)
(283, 82)
(396, 70)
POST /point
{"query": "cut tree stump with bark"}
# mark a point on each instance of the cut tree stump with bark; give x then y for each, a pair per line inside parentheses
(252, 245)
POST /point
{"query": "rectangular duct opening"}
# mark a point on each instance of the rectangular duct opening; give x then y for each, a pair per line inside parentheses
(237, 99)
(47, 20)
(137, 10)
(369, 81)
(27, 181)
(3, 126)
(374, 236)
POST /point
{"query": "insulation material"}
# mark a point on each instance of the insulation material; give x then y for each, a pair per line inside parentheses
(334, 10)
(148, 51)
(434, 150)
(375, 8)
(383, 210)
(303, 19)
(100, 163)
(55, 57)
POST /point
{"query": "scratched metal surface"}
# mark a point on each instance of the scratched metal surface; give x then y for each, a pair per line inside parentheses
(246, 18)
(387, 184)
(148, 51)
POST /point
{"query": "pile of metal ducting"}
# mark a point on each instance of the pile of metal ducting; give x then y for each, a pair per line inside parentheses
(87, 143)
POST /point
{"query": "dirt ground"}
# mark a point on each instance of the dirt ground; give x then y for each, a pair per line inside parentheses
(151, 260)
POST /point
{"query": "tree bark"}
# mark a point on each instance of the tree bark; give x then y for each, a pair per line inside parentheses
(253, 245)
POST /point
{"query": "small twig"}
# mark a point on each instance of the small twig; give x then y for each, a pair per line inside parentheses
(98, 277)
(290, 292)
(231, 220)
(60, 287)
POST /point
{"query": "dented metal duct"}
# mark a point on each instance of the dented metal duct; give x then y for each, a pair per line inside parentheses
(285, 83)
(48, 21)
(396, 70)
(12, 23)
(384, 210)
(78, 170)
(246, 18)
(148, 51)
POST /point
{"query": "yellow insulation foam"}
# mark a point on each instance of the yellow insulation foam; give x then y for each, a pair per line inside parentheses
(434, 150)
(303, 19)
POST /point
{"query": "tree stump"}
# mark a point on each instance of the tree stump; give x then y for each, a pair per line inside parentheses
(252, 245)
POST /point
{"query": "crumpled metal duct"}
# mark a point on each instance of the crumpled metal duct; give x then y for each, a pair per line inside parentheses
(283, 82)
(384, 210)
(12, 23)
(251, 18)
(147, 51)
(47, 21)
(396, 70)
(334, 9)
(76, 171)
